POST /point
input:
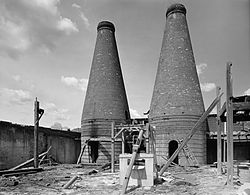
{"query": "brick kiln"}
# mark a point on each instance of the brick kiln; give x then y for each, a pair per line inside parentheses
(105, 99)
(177, 101)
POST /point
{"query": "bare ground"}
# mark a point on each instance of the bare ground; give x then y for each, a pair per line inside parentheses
(194, 181)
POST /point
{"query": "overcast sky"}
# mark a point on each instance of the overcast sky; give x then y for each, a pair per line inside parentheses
(46, 50)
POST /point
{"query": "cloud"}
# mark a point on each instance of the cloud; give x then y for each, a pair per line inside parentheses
(247, 92)
(16, 77)
(206, 87)
(76, 6)
(85, 20)
(18, 97)
(26, 25)
(82, 15)
(200, 68)
(49, 5)
(56, 113)
(24, 82)
(67, 25)
(58, 126)
(80, 84)
(134, 113)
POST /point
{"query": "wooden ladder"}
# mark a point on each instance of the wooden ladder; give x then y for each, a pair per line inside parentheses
(191, 159)
(191, 133)
(132, 160)
(136, 147)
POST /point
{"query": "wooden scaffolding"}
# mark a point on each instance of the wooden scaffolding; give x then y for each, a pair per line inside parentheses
(233, 110)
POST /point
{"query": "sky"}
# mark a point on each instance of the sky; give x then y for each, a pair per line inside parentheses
(46, 50)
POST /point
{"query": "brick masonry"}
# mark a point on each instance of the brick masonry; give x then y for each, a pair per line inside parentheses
(177, 101)
(105, 99)
(17, 144)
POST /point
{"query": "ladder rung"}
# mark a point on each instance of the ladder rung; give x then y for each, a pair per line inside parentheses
(189, 155)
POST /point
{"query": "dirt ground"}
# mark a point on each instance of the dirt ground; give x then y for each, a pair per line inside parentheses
(194, 181)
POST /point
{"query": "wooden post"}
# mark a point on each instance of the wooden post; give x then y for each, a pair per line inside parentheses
(36, 126)
(224, 142)
(112, 147)
(123, 143)
(81, 153)
(152, 138)
(147, 138)
(136, 147)
(218, 133)
(229, 106)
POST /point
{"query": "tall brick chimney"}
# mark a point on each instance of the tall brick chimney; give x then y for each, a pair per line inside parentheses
(105, 99)
(177, 101)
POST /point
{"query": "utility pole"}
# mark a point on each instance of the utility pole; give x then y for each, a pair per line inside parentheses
(37, 116)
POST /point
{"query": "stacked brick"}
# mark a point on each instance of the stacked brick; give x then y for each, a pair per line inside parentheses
(105, 99)
(177, 101)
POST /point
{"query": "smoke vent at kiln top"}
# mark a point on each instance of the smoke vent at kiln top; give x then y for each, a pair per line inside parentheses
(177, 100)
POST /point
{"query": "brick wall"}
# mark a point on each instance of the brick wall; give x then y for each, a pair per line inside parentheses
(17, 144)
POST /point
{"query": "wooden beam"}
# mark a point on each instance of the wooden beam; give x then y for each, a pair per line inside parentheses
(81, 153)
(229, 108)
(237, 106)
(224, 143)
(122, 130)
(151, 135)
(222, 110)
(129, 126)
(237, 118)
(241, 106)
(190, 135)
(147, 138)
(40, 162)
(123, 143)
(104, 139)
(22, 172)
(132, 160)
(73, 179)
(218, 133)
(112, 147)
(19, 171)
(29, 161)
(36, 127)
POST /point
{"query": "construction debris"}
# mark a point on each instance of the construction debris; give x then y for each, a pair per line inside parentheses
(67, 185)
(244, 189)
(9, 173)
(30, 160)
(94, 171)
(5, 182)
(53, 180)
